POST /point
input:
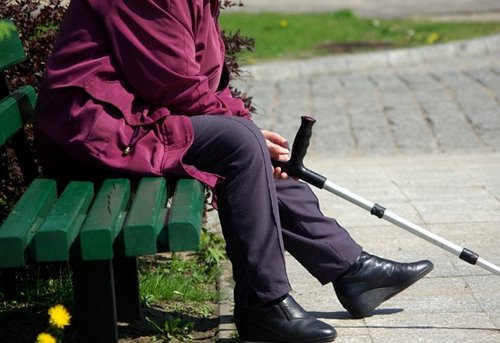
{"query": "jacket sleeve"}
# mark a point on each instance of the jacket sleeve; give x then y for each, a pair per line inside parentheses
(154, 45)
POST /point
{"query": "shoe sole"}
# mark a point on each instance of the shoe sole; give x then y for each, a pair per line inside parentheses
(363, 305)
(256, 340)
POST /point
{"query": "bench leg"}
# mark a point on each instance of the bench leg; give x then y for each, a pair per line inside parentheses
(128, 302)
(95, 305)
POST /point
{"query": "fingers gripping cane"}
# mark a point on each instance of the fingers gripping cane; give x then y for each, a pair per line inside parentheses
(295, 167)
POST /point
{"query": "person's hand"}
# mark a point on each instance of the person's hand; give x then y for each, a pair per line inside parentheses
(278, 149)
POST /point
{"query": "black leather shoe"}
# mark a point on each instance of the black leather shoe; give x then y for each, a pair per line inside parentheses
(371, 280)
(285, 321)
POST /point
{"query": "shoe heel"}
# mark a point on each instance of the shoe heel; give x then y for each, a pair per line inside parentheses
(248, 333)
(364, 305)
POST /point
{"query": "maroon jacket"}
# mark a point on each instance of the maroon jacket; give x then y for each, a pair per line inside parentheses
(125, 75)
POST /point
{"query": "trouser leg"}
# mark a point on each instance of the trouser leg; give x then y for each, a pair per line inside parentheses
(247, 204)
(319, 243)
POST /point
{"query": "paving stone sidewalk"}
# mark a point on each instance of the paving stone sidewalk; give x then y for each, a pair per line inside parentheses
(441, 99)
(453, 195)
(456, 196)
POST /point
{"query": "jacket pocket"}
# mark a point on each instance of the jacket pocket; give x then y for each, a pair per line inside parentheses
(107, 134)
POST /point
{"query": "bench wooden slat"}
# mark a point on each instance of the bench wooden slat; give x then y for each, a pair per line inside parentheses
(186, 215)
(18, 230)
(15, 110)
(146, 217)
(63, 223)
(11, 47)
(105, 220)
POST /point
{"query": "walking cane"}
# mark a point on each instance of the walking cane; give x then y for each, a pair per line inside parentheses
(295, 167)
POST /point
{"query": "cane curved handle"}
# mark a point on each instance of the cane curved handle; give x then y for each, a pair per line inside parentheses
(295, 165)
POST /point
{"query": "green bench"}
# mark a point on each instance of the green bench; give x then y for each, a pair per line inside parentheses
(98, 229)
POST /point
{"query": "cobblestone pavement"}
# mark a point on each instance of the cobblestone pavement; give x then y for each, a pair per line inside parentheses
(443, 105)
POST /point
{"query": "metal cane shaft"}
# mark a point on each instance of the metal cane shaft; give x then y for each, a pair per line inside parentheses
(417, 230)
(488, 266)
(348, 195)
(295, 167)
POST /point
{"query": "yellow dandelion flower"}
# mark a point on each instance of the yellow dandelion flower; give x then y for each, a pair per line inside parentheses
(59, 316)
(45, 338)
(432, 38)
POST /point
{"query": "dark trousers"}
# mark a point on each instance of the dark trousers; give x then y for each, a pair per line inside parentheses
(261, 217)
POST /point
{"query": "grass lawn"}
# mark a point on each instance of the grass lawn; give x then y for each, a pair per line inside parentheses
(293, 36)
